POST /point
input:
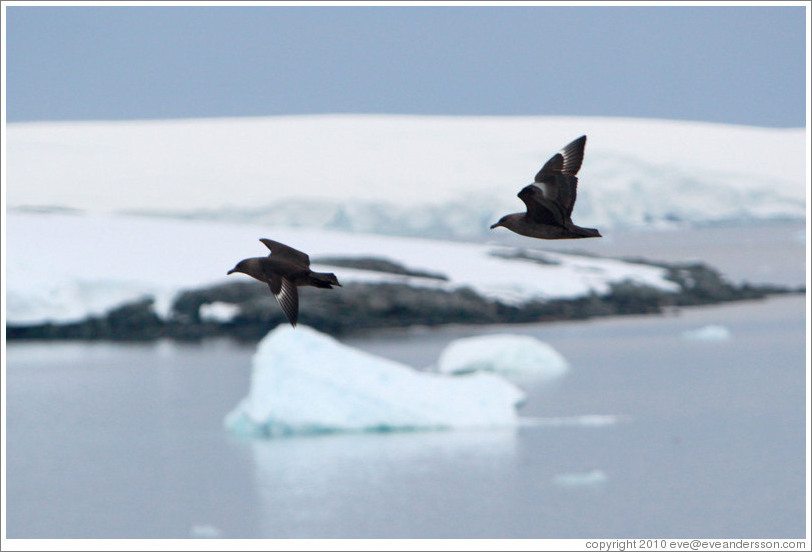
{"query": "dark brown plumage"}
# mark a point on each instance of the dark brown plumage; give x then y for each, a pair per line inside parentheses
(550, 199)
(285, 269)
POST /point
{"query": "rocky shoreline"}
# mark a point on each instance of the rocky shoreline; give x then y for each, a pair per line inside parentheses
(365, 306)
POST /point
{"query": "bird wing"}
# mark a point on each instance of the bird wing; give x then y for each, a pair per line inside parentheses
(539, 208)
(550, 168)
(557, 180)
(288, 296)
(286, 251)
(573, 156)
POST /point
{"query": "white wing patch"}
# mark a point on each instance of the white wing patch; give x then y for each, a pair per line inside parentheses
(547, 189)
(288, 298)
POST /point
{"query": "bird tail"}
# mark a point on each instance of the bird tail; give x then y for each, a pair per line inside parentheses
(323, 280)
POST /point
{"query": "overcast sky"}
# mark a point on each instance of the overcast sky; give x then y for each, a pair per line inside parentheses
(743, 65)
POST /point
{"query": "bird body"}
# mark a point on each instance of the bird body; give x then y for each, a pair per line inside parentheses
(285, 269)
(550, 198)
(519, 223)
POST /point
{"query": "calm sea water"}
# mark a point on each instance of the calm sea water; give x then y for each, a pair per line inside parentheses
(127, 441)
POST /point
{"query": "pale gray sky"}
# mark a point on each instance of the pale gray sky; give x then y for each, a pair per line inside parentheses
(730, 64)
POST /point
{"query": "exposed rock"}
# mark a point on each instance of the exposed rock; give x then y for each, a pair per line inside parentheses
(361, 306)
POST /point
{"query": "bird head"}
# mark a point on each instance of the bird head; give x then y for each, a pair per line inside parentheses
(241, 267)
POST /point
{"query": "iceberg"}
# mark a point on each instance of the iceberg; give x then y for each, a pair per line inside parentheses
(521, 359)
(305, 382)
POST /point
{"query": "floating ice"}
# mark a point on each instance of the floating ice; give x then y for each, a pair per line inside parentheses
(711, 332)
(520, 358)
(205, 532)
(586, 420)
(594, 477)
(305, 382)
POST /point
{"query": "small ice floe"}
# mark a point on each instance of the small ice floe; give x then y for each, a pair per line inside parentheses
(205, 532)
(586, 420)
(306, 382)
(711, 332)
(218, 312)
(582, 479)
(521, 359)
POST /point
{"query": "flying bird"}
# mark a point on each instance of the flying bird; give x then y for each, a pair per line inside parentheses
(285, 269)
(550, 199)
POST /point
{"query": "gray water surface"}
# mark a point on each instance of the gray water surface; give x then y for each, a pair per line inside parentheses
(127, 441)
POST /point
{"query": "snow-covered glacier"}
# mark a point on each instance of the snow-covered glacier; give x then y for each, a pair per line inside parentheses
(406, 175)
(305, 382)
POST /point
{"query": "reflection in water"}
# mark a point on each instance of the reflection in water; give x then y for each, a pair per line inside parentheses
(324, 486)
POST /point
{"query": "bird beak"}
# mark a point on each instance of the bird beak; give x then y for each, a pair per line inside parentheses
(494, 225)
(230, 272)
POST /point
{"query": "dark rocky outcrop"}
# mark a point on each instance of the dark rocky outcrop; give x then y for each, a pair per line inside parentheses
(358, 307)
